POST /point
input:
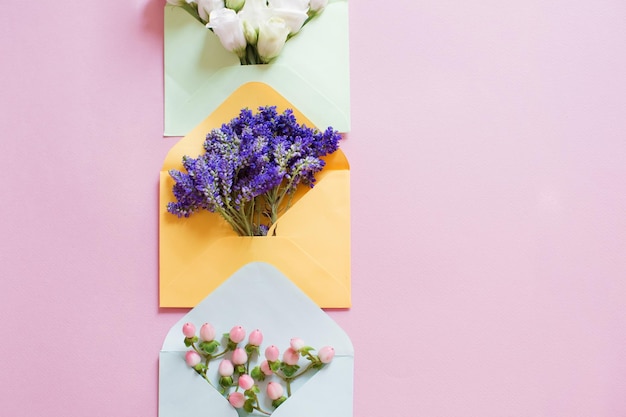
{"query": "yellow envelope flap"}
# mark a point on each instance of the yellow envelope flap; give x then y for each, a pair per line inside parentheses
(312, 238)
(251, 95)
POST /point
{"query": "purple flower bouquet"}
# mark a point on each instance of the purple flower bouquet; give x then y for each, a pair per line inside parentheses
(251, 168)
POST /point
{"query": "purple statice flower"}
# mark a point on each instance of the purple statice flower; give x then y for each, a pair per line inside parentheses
(249, 166)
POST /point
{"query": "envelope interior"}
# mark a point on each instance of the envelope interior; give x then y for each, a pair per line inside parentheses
(259, 296)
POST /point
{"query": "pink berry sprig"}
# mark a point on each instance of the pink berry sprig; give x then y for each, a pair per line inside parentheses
(288, 369)
(234, 371)
(204, 348)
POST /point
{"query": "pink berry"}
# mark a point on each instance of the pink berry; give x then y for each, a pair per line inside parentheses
(274, 390)
(296, 343)
(236, 399)
(192, 358)
(326, 354)
(237, 334)
(255, 338)
(189, 330)
(207, 332)
(265, 368)
(272, 353)
(245, 381)
(226, 368)
(291, 356)
(239, 357)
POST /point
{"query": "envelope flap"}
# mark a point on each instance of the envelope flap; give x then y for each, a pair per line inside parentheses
(222, 258)
(182, 392)
(328, 393)
(250, 95)
(312, 70)
(260, 296)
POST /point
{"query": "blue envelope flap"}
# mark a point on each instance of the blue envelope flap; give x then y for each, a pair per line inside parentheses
(259, 296)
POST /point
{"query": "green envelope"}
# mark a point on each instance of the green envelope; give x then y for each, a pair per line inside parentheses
(312, 71)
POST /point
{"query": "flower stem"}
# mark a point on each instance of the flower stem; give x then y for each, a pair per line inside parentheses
(293, 377)
(260, 410)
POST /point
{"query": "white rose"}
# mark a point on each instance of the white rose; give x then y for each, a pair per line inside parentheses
(254, 12)
(228, 28)
(293, 12)
(250, 32)
(272, 37)
(290, 4)
(205, 7)
(236, 5)
(317, 6)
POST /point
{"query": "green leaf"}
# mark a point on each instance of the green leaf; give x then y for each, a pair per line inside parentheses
(209, 347)
(226, 381)
(306, 350)
(257, 374)
(289, 370)
(190, 340)
(274, 366)
(250, 349)
(279, 401)
(248, 406)
(200, 367)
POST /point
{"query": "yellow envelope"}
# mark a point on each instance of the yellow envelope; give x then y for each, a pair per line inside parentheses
(311, 244)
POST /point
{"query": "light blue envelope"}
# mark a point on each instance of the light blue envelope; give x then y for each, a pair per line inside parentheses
(312, 71)
(259, 296)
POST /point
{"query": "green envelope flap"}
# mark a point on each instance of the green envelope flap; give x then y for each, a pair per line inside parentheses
(312, 71)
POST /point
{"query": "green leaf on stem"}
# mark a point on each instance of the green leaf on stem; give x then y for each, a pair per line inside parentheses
(200, 367)
(251, 349)
(226, 381)
(306, 350)
(289, 370)
(257, 374)
(209, 347)
(248, 406)
(190, 340)
(279, 401)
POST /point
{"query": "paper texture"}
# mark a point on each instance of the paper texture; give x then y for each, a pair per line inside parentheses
(259, 296)
(312, 241)
(312, 71)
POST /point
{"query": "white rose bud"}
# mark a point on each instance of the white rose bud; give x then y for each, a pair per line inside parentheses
(205, 7)
(272, 37)
(316, 6)
(254, 12)
(236, 5)
(250, 33)
(293, 18)
(293, 12)
(229, 29)
(290, 4)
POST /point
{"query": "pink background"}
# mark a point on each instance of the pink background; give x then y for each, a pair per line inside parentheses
(488, 154)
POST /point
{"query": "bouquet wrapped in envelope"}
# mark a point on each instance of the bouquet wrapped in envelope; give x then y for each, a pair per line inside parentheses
(308, 237)
(258, 296)
(201, 69)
